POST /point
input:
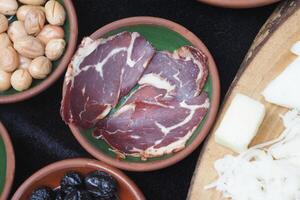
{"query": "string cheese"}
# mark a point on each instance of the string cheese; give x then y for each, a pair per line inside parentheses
(240, 123)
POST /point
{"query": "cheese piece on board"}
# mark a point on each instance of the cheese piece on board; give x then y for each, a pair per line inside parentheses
(240, 123)
(284, 90)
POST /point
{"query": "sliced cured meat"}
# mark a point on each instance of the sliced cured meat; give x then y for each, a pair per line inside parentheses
(161, 115)
(182, 74)
(100, 73)
(149, 129)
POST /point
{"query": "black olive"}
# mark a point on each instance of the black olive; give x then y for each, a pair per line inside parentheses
(101, 185)
(42, 193)
(68, 190)
(59, 195)
(70, 181)
(108, 198)
(78, 195)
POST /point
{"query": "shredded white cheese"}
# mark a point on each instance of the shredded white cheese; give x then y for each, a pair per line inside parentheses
(262, 173)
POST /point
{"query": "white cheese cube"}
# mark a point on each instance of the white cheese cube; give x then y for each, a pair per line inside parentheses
(240, 123)
(285, 89)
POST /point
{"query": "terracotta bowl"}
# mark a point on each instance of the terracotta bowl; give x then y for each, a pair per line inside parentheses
(164, 35)
(239, 3)
(71, 31)
(51, 175)
(7, 163)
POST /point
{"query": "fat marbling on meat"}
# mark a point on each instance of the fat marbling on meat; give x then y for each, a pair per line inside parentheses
(101, 72)
(162, 114)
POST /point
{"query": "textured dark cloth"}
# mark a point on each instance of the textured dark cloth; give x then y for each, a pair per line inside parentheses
(40, 137)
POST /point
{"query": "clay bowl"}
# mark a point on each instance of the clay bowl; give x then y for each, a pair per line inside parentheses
(239, 3)
(50, 176)
(58, 67)
(164, 35)
(7, 163)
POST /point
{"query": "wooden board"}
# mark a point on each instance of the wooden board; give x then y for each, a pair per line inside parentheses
(266, 59)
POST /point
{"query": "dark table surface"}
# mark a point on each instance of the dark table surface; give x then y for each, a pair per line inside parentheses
(40, 137)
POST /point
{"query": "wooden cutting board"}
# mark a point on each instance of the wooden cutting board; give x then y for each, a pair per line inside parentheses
(266, 59)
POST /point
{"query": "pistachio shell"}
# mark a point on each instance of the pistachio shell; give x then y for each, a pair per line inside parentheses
(4, 40)
(21, 80)
(9, 59)
(55, 13)
(3, 23)
(8, 7)
(4, 80)
(55, 48)
(24, 62)
(50, 32)
(33, 2)
(34, 21)
(40, 67)
(16, 30)
(23, 10)
(29, 47)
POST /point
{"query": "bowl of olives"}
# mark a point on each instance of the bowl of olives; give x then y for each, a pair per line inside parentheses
(37, 41)
(78, 179)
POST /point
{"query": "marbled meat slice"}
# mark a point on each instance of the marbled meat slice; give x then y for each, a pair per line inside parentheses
(100, 73)
(160, 116)
(182, 74)
(149, 130)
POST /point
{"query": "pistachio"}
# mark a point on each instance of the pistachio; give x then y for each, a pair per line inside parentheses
(40, 67)
(4, 40)
(55, 13)
(4, 80)
(50, 32)
(9, 60)
(3, 23)
(55, 48)
(23, 10)
(16, 30)
(34, 21)
(29, 47)
(33, 2)
(8, 7)
(21, 80)
(24, 62)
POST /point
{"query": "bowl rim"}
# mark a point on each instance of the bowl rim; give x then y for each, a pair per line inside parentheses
(10, 162)
(239, 3)
(46, 83)
(158, 164)
(80, 162)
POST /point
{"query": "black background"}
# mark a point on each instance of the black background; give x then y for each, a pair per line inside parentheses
(40, 137)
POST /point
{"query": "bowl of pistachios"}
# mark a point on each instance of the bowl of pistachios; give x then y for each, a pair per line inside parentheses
(37, 41)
